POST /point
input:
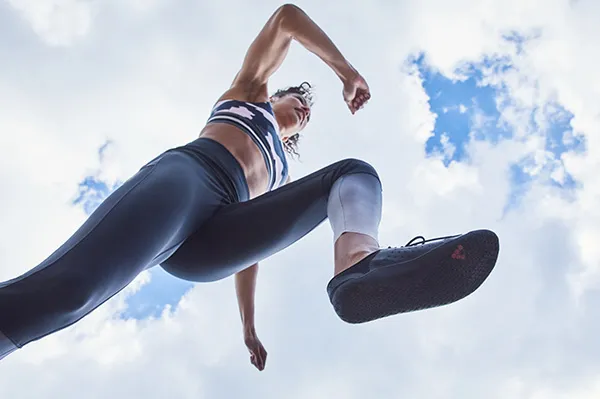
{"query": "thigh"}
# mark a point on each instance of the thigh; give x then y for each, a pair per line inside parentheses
(149, 214)
(242, 234)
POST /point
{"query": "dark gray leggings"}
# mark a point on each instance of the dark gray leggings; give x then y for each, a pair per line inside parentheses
(186, 210)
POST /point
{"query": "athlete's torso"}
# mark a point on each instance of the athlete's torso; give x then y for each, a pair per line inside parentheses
(250, 132)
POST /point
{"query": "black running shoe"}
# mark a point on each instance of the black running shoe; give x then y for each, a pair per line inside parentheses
(421, 275)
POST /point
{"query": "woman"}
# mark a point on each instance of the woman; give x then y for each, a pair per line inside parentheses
(218, 205)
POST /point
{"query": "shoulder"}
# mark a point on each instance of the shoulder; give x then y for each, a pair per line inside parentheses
(246, 92)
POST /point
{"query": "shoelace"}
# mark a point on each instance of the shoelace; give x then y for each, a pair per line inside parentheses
(411, 243)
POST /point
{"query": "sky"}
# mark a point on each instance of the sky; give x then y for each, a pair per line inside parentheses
(484, 114)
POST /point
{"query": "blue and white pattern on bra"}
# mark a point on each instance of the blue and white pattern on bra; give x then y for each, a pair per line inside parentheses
(258, 121)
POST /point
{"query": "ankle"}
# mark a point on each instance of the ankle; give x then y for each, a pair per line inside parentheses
(351, 259)
(351, 248)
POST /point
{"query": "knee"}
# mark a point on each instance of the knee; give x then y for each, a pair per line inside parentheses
(352, 165)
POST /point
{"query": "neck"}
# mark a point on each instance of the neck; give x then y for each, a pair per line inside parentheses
(283, 130)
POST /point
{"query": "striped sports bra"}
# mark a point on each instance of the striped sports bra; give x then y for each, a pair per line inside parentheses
(257, 120)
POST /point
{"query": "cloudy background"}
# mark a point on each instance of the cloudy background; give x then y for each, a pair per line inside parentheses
(485, 114)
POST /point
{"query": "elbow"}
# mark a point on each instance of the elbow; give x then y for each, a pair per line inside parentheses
(286, 15)
(288, 8)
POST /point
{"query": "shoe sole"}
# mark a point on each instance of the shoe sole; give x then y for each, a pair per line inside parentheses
(446, 274)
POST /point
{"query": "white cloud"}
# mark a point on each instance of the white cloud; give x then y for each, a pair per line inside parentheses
(57, 22)
(147, 80)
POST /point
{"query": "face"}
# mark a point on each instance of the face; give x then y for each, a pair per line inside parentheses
(292, 113)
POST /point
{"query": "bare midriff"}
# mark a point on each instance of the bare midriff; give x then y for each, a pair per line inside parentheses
(245, 151)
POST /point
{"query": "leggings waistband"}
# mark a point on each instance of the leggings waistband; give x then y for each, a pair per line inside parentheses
(224, 164)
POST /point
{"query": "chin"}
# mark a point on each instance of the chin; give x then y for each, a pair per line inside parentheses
(293, 124)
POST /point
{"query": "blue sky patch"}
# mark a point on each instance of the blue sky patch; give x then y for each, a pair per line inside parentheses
(465, 108)
(468, 108)
(151, 300)
(91, 193)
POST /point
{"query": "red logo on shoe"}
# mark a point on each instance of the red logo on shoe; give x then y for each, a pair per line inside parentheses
(459, 253)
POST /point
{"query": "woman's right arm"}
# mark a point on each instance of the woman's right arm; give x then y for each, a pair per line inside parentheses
(306, 32)
(269, 49)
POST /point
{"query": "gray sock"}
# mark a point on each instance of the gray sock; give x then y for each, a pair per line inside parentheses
(354, 205)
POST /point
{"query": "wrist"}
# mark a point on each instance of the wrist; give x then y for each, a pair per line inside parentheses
(249, 330)
(346, 73)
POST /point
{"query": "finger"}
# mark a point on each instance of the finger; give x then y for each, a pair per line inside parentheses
(260, 365)
(264, 356)
(256, 362)
(263, 359)
(258, 357)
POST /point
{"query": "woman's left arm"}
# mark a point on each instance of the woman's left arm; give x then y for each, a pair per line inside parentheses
(245, 287)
